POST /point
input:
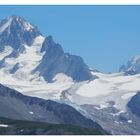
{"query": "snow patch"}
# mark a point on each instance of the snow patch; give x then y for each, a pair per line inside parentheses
(31, 112)
(7, 51)
(28, 26)
(130, 121)
(117, 114)
(116, 122)
(3, 125)
(6, 25)
(61, 77)
(103, 106)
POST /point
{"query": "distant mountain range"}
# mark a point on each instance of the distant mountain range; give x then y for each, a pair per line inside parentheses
(42, 83)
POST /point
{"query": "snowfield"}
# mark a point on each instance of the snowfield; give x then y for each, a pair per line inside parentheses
(110, 87)
(107, 87)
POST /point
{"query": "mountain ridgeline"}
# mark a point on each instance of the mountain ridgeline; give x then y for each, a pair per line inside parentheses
(17, 33)
(56, 61)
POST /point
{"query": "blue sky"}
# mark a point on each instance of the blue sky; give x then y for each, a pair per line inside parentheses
(105, 36)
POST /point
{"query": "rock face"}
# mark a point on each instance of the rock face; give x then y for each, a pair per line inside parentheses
(17, 106)
(56, 61)
(134, 104)
(132, 67)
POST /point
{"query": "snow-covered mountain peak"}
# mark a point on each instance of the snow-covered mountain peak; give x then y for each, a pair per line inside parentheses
(27, 55)
(16, 31)
(51, 46)
(20, 22)
(132, 67)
